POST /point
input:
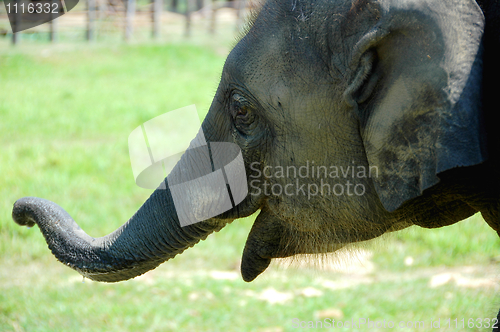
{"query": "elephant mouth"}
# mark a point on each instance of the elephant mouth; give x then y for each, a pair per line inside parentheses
(272, 237)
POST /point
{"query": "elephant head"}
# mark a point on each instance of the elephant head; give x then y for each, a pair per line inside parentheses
(350, 116)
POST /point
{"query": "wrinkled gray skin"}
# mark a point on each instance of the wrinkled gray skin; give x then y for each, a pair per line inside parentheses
(395, 85)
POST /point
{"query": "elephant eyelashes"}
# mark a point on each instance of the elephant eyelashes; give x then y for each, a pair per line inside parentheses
(241, 113)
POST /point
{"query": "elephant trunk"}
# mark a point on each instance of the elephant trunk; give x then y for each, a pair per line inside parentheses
(152, 236)
(191, 203)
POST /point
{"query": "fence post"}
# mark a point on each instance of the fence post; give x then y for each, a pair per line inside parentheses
(91, 16)
(213, 12)
(129, 19)
(189, 7)
(53, 24)
(240, 13)
(17, 22)
(157, 11)
(15, 38)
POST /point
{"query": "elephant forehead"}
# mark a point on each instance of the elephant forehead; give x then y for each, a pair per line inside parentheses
(274, 60)
(256, 60)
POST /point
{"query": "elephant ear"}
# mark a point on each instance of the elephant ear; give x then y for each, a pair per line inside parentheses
(416, 88)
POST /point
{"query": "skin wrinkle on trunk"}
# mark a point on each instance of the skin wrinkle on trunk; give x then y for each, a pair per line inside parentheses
(131, 250)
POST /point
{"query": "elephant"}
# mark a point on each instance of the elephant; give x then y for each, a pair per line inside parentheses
(354, 118)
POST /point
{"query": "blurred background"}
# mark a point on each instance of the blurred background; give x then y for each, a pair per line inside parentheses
(72, 92)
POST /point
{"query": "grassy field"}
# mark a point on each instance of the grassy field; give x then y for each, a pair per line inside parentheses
(66, 112)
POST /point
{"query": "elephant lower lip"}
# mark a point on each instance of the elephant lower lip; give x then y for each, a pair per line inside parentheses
(252, 267)
(261, 243)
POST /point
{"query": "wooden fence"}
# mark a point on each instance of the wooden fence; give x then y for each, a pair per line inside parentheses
(126, 10)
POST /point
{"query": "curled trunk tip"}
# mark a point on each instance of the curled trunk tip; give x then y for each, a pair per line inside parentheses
(152, 236)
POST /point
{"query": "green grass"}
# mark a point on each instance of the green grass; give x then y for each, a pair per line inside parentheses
(66, 112)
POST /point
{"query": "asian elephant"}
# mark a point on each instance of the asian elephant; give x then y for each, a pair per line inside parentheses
(354, 118)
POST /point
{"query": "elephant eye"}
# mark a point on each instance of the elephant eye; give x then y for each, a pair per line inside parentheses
(241, 113)
(239, 106)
